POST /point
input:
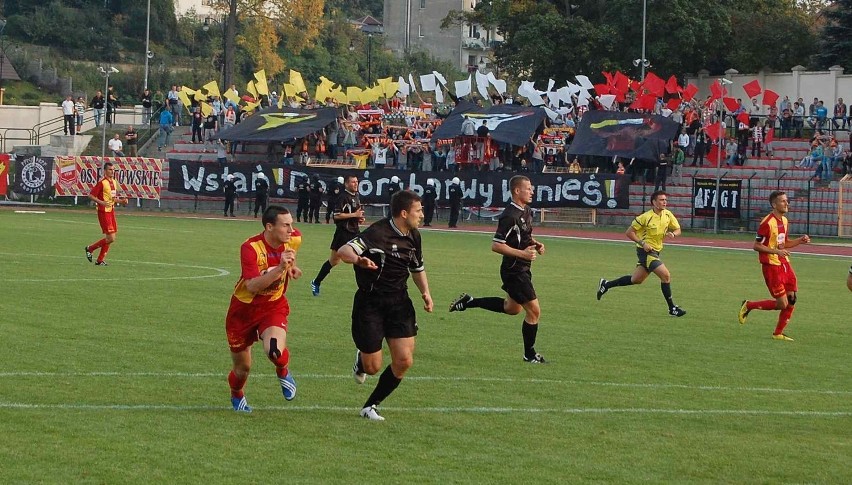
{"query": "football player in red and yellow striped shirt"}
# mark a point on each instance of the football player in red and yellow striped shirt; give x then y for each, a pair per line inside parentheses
(105, 195)
(773, 247)
(259, 309)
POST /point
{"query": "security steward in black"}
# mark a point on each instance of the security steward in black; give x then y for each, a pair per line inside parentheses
(429, 197)
(315, 201)
(454, 192)
(303, 193)
(261, 194)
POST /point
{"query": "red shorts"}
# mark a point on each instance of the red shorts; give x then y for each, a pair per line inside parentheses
(780, 279)
(246, 322)
(107, 220)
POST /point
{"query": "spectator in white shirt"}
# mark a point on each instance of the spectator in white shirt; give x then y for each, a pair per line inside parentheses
(115, 146)
(68, 115)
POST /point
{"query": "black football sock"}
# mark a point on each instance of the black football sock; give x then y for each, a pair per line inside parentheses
(667, 293)
(359, 365)
(323, 272)
(623, 281)
(529, 332)
(387, 384)
(490, 303)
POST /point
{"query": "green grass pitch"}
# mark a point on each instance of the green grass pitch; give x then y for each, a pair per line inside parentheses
(118, 374)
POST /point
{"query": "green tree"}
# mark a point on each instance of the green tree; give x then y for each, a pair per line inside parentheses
(836, 38)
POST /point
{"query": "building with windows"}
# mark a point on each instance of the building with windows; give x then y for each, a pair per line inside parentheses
(415, 25)
(202, 8)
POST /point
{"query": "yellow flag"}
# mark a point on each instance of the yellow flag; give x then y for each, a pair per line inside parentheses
(262, 87)
(188, 90)
(212, 88)
(370, 95)
(353, 93)
(327, 83)
(249, 107)
(252, 90)
(384, 82)
(231, 95)
(184, 98)
(289, 90)
(322, 92)
(340, 96)
(391, 88)
(297, 81)
(199, 96)
(206, 109)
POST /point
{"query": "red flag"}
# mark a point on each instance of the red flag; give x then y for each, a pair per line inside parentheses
(689, 92)
(752, 89)
(714, 131)
(743, 118)
(716, 90)
(635, 85)
(672, 86)
(731, 104)
(654, 85)
(770, 97)
(769, 136)
(622, 82)
(602, 89)
(4, 173)
(673, 104)
(608, 77)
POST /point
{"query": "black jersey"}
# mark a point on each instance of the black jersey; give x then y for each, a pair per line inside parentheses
(396, 255)
(261, 187)
(514, 229)
(347, 203)
(429, 196)
(303, 191)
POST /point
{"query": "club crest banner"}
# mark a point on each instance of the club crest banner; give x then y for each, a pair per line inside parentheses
(33, 175)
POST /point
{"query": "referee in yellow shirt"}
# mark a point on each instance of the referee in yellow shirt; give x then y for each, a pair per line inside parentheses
(648, 231)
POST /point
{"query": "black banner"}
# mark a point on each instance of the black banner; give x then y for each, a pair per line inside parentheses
(34, 175)
(626, 135)
(507, 123)
(483, 189)
(273, 124)
(704, 199)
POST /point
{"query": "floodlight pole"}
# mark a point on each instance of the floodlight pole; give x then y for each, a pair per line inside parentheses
(644, 17)
(722, 137)
(147, 47)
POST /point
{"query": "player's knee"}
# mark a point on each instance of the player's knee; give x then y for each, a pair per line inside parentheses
(278, 355)
(509, 309)
(781, 304)
(532, 314)
(791, 300)
(400, 365)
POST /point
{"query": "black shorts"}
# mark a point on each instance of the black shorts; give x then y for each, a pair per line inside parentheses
(648, 261)
(341, 237)
(518, 286)
(377, 316)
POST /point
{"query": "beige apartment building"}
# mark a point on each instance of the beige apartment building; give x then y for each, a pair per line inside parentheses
(415, 25)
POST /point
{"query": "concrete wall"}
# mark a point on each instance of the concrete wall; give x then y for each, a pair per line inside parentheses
(798, 83)
(17, 123)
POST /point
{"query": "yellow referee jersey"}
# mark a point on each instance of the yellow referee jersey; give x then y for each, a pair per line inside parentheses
(651, 228)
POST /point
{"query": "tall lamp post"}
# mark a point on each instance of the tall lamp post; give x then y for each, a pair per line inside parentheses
(2, 58)
(105, 73)
(722, 137)
(644, 25)
(148, 54)
(209, 21)
(369, 58)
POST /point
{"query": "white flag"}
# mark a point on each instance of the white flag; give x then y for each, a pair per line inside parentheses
(550, 113)
(411, 83)
(403, 87)
(440, 77)
(584, 82)
(439, 95)
(499, 84)
(427, 82)
(606, 100)
(463, 88)
(482, 84)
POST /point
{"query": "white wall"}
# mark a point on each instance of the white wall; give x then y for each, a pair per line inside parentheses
(18, 122)
(825, 85)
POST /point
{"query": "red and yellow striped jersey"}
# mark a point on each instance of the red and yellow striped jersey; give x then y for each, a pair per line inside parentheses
(257, 257)
(772, 233)
(107, 191)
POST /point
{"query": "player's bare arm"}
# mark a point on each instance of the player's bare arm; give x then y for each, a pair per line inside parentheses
(422, 284)
(527, 254)
(539, 246)
(673, 234)
(791, 243)
(348, 255)
(760, 248)
(631, 234)
(273, 274)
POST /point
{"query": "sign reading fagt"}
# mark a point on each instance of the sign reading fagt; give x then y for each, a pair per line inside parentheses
(483, 189)
(704, 198)
(33, 175)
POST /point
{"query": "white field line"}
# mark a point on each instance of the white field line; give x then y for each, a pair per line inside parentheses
(442, 410)
(194, 375)
(218, 272)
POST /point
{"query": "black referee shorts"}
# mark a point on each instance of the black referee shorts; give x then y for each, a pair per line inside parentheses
(341, 237)
(377, 316)
(648, 261)
(518, 286)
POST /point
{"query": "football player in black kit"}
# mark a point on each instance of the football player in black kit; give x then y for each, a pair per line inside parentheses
(384, 255)
(514, 241)
(347, 215)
